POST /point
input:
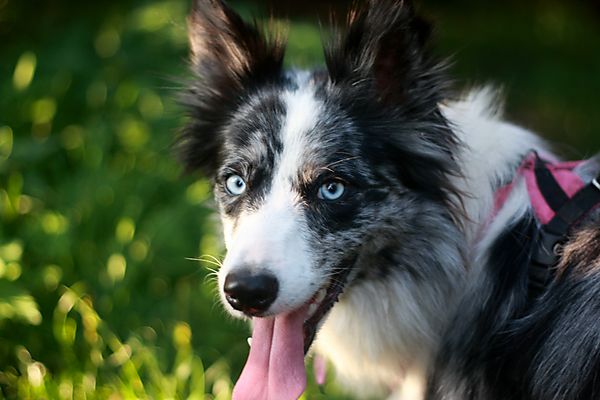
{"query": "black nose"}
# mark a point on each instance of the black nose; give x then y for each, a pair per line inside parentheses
(249, 291)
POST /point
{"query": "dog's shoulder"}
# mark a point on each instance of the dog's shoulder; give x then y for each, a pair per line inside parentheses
(504, 345)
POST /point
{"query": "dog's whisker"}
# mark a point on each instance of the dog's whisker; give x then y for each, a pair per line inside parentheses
(207, 259)
(212, 271)
(327, 169)
(211, 277)
(210, 263)
(212, 258)
(328, 166)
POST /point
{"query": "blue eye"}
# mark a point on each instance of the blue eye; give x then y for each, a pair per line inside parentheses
(235, 185)
(331, 190)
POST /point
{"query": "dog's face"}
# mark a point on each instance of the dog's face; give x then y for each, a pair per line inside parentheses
(314, 171)
(293, 192)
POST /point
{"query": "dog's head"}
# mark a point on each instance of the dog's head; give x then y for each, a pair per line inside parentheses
(314, 171)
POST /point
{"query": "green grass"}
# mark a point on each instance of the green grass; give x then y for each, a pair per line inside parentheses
(100, 295)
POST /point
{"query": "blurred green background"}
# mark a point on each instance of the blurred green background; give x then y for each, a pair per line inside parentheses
(101, 292)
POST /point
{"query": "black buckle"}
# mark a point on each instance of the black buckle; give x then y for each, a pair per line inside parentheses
(544, 257)
(547, 247)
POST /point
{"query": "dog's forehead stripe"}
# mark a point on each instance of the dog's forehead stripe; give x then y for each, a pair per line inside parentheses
(302, 113)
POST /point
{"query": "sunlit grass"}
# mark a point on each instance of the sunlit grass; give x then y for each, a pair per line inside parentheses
(131, 369)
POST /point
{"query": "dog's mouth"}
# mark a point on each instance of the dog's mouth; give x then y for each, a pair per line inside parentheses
(275, 365)
(320, 304)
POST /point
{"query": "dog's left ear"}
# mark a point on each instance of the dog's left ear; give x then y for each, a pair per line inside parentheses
(384, 67)
(229, 58)
(384, 49)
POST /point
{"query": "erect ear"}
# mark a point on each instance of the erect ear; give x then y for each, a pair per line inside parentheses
(229, 58)
(393, 87)
(223, 44)
(384, 47)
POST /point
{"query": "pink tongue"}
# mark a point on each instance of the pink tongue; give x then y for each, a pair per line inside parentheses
(275, 366)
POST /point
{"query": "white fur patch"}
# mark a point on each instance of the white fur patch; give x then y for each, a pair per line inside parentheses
(303, 111)
(492, 149)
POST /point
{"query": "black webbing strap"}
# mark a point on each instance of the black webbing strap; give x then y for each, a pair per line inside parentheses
(579, 205)
(555, 232)
(549, 188)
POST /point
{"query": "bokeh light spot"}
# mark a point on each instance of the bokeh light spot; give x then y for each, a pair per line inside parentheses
(107, 42)
(21, 306)
(6, 142)
(54, 223)
(43, 110)
(11, 251)
(24, 71)
(133, 134)
(150, 105)
(13, 271)
(24, 204)
(51, 276)
(125, 230)
(72, 137)
(127, 94)
(154, 16)
(116, 267)
(182, 335)
(138, 250)
(198, 192)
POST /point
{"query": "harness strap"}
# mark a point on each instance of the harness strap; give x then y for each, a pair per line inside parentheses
(555, 232)
(549, 188)
(577, 207)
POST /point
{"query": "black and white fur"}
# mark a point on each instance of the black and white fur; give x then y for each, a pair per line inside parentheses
(435, 286)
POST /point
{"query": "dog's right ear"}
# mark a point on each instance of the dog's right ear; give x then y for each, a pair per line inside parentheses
(229, 58)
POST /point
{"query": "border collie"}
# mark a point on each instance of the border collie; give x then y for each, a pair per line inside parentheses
(375, 220)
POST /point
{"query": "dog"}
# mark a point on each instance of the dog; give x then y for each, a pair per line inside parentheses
(374, 218)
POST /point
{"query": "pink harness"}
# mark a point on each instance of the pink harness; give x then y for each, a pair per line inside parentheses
(563, 174)
(560, 199)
